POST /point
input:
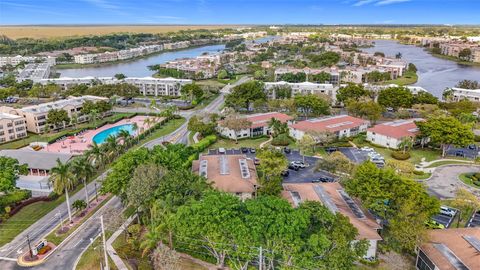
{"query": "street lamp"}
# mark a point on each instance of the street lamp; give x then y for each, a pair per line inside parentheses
(96, 194)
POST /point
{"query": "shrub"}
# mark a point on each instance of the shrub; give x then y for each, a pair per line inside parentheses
(204, 143)
(44, 250)
(281, 140)
(398, 155)
(476, 175)
(418, 172)
(12, 198)
(476, 138)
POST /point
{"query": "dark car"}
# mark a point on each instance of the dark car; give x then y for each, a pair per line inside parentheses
(287, 150)
(459, 153)
(285, 173)
(252, 150)
(244, 149)
(331, 149)
(325, 179)
(293, 167)
(472, 147)
(316, 181)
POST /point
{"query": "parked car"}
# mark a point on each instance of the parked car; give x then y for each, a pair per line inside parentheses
(459, 153)
(432, 224)
(244, 149)
(325, 179)
(331, 149)
(316, 180)
(447, 211)
(252, 150)
(472, 147)
(285, 173)
(294, 167)
(287, 150)
(299, 164)
(256, 161)
(367, 149)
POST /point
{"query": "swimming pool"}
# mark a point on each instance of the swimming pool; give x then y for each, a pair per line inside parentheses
(102, 136)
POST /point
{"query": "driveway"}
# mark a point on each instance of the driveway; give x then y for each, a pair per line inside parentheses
(444, 180)
(354, 154)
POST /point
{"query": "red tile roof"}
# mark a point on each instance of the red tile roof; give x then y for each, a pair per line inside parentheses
(331, 124)
(262, 119)
(397, 129)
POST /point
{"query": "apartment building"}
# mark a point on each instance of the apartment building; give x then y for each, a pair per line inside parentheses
(235, 174)
(117, 55)
(176, 45)
(66, 83)
(34, 72)
(339, 125)
(337, 200)
(15, 60)
(450, 249)
(150, 86)
(469, 94)
(303, 88)
(12, 127)
(36, 115)
(391, 134)
(259, 125)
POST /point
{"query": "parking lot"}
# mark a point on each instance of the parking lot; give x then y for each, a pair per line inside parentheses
(305, 175)
(470, 152)
(474, 220)
(354, 154)
(445, 220)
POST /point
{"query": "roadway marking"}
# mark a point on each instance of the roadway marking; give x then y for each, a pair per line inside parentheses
(8, 259)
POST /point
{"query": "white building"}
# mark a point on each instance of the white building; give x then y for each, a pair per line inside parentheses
(259, 125)
(15, 60)
(303, 88)
(34, 72)
(340, 125)
(391, 134)
(469, 94)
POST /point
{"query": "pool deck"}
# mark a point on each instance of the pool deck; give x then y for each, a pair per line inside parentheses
(80, 143)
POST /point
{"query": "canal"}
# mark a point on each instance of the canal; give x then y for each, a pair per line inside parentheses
(434, 74)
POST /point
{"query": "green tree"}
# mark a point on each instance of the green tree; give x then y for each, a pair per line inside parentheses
(321, 77)
(396, 97)
(312, 105)
(446, 130)
(243, 95)
(306, 144)
(352, 91)
(192, 92)
(222, 74)
(365, 108)
(236, 123)
(424, 97)
(79, 205)
(120, 76)
(468, 84)
(141, 188)
(57, 117)
(83, 170)
(63, 180)
(272, 163)
(9, 173)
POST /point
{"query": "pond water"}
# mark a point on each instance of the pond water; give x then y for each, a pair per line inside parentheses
(434, 74)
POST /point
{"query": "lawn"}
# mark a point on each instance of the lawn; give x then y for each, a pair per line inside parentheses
(446, 162)
(423, 176)
(408, 78)
(44, 138)
(228, 144)
(168, 128)
(126, 252)
(467, 180)
(93, 256)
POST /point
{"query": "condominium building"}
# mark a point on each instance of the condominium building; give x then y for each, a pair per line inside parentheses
(12, 127)
(235, 174)
(469, 94)
(15, 60)
(339, 125)
(337, 200)
(34, 72)
(303, 88)
(117, 55)
(176, 45)
(36, 116)
(150, 86)
(391, 134)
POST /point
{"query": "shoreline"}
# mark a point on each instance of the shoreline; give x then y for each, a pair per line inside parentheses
(105, 64)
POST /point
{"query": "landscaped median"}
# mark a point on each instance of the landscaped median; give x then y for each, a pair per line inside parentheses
(55, 238)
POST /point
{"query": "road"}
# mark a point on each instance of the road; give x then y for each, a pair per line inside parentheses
(66, 255)
(444, 180)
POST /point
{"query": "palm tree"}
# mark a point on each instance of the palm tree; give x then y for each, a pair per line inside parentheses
(406, 144)
(95, 155)
(135, 129)
(150, 240)
(74, 120)
(63, 180)
(93, 115)
(110, 147)
(125, 136)
(83, 170)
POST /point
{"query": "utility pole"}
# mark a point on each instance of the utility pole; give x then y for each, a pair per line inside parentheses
(104, 243)
(260, 258)
(29, 246)
(96, 194)
(60, 220)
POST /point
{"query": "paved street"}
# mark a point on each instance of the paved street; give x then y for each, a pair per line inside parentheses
(444, 180)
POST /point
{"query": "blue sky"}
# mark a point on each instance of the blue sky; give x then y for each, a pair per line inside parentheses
(239, 11)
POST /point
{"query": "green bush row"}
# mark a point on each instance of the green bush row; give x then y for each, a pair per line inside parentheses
(13, 198)
(204, 143)
(281, 140)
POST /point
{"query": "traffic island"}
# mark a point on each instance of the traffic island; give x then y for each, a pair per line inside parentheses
(36, 255)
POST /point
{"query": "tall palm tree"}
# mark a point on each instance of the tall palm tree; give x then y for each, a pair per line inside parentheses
(124, 136)
(83, 170)
(95, 155)
(110, 147)
(150, 240)
(93, 115)
(63, 180)
(135, 129)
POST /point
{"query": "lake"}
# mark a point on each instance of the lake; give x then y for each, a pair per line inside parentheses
(434, 74)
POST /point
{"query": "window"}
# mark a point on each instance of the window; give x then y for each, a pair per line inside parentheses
(423, 262)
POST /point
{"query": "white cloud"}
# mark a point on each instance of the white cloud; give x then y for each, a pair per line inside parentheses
(102, 4)
(359, 3)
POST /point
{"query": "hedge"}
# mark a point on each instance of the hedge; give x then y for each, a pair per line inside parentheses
(13, 198)
(204, 143)
(281, 140)
(398, 155)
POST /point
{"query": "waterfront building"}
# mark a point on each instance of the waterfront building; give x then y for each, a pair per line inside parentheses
(303, 88)
(34, 72)
(12, 127)
(461, 94)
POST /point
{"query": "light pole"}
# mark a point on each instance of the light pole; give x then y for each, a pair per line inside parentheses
(96, 194)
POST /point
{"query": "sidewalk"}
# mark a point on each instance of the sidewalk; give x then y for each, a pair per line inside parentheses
(111, 251)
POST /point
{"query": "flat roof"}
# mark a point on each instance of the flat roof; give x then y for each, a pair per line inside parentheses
(450, 249)
(225, 172)
(59, 104)
(330, 123)
(332, 195)
(9, 116)
(36, 160)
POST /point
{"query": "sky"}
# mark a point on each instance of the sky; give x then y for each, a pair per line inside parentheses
(28, 12)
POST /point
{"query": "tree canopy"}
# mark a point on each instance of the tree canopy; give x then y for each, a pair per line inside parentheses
(9, 173)
(396, 97)
(243, 95)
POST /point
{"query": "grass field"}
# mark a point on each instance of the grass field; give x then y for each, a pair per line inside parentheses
(37, 31)
(408, 78)
(446, 162)
(467, 180)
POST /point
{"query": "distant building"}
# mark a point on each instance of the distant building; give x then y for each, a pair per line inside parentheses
(258, 127)
(12, 127)
(235, 174)
(303, 88)
(15, 60)
(391, 134)
(469, 94)
(450, 249)
(340, 125)
(36, 115)
(34, 72)
(92, 58)
(336, 199)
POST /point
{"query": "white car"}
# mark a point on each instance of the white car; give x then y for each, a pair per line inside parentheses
(367, 149)
(447, 211)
